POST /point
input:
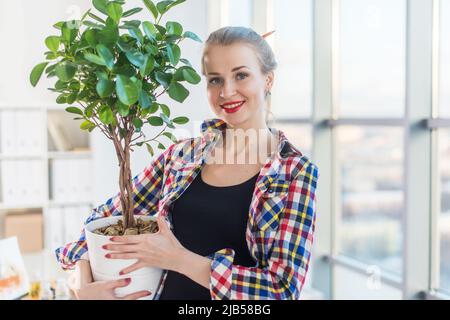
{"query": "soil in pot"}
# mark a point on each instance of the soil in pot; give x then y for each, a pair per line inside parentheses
(141, 227)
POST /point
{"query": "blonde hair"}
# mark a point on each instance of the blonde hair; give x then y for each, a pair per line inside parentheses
(230, 35)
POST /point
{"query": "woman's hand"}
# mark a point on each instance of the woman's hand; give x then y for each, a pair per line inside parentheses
(105, 290)
(160, 249)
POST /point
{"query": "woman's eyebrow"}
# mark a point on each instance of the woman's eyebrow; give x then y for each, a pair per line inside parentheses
(233, 70)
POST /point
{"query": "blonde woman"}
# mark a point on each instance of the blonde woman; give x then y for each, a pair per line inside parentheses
(239, 229)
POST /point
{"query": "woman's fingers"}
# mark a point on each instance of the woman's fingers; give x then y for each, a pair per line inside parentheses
(119, 283)
(121, 247)
(137, 295)
(125, 255)
(133, 267)
(127, 239)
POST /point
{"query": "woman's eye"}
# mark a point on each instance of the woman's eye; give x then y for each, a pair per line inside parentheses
(214, 80)
(241, 76)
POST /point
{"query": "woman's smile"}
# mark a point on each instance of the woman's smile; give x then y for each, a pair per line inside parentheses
(232, 106)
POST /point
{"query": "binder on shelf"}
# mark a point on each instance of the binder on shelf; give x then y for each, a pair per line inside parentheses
(7, 132)
(22, 182)
(58, 136)
(74, 218)
(71, 180)
(54, 228)
(8, 181)
(28, 133)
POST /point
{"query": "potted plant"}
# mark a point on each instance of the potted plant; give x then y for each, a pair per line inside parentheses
(111, 70)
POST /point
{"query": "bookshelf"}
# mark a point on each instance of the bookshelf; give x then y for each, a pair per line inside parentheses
(41, 149)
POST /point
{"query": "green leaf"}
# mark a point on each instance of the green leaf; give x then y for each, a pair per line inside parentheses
(170, 136)
(136, 58)
(193, 36)
(155, 121)
(190, 75)
(164, 6)
(161, 146)
(137, 123)
(65, 71)
(153, 50)
(94, 59)
(72, 97)
(89, 111)
(173, 27)
(126, 90)
(186, 62)
(166, 120)
(95, 17)
(150, 30)
(165, 109)
(87, 125)
(131, 12)
(147, 66)
(61, 99)
(110, 34)
(74, 110)
(123, 109)
(180, 120)
(150, 149)
(144, 100)
(36, 73)
(69, 32)
(101, 5)
(105, 88)
(52, 43)
(174, 53)
(106, 55)
(151, 7)
(115, 11)
(153, 108)
(58, 25)
(106, 115)
(163, 78)
(136, 33)
(93, 25)
(178, 92)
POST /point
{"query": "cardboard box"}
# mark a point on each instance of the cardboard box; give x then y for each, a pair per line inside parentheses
(28, 228)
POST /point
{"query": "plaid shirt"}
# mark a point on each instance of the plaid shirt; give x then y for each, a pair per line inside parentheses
(281, 223)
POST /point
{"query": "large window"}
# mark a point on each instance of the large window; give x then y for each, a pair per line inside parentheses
(292, 91)
(444, 221)
(369, 63)
(371, 49)
(444, 59)
(371, 167)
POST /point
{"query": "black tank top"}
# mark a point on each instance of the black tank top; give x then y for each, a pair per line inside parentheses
(207, 219)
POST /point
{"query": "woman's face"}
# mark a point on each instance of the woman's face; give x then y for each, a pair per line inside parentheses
(236, 85)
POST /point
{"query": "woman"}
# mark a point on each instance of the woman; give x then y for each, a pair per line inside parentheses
(241, 229)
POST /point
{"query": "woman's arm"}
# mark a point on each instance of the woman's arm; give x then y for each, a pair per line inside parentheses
(146, 191)
(195, 267)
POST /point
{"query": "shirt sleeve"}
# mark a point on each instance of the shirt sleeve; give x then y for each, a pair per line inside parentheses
(146, 191)
(283, 276)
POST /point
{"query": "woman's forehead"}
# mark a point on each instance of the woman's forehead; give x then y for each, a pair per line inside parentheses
(224, 58)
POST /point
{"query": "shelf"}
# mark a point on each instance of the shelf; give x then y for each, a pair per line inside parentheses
(69, 203)
(69, 154)
(21, 157)
(19, 206)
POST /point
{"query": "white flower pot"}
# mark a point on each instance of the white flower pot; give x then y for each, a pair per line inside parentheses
(147, 278)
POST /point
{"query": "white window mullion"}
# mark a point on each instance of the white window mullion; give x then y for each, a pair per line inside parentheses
(417, 222)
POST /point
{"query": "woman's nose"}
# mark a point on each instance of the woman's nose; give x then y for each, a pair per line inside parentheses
(228, 90)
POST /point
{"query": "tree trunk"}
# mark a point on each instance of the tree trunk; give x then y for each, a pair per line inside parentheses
(125, 181)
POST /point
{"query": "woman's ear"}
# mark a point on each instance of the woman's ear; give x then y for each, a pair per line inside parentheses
(269, 81)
